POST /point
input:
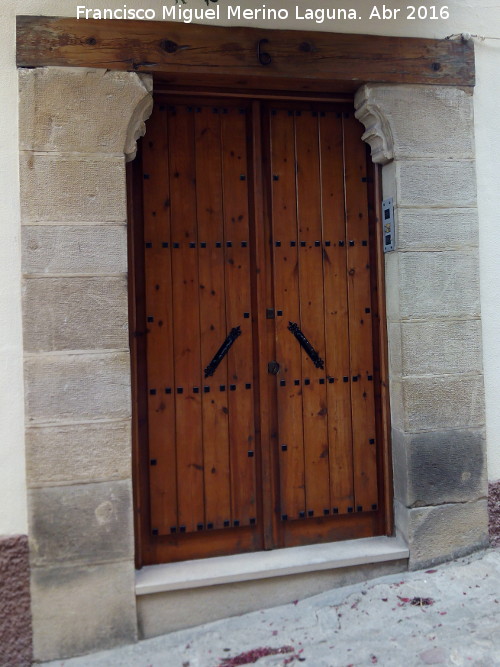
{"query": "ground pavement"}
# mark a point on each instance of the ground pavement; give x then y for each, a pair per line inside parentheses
(446, 615)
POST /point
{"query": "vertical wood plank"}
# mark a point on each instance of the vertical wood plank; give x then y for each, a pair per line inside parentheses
(360, 324)
(286, 293)
(235, 166)
(312, 316)
(216, 463)
(186, 320)
(264, 350)
(159, 340)
(336, 313)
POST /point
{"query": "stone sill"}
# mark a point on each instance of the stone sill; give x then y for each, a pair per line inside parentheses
(267, 564)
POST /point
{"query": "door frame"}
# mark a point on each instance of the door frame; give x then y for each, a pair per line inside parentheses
(147, 549)
(314, 61)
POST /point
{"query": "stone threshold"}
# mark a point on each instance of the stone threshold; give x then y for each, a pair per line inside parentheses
(266, 564)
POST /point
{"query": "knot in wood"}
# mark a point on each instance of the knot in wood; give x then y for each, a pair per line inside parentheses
(169, 46)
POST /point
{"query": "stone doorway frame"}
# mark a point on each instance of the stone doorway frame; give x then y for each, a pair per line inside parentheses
(78, 126)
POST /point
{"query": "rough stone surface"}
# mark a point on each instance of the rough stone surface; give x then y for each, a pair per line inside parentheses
(494, 512)
(77, 188)
(437, 534)
(77, 386)
(439, 467)
(397, 403)
(78, 610)
(373, 622)
(392, 286)
(436, 229)
(87, 452)
(439, 125)
(48, 125)
(395, 349)
(15, 613)
(438, 284)
(87, 249)
(82, 523)
(436, 183)
(445, 402)
(75, 314)
(438, 347)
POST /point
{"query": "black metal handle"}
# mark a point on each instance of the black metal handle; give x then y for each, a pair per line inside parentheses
(222, 351)
(315, 358)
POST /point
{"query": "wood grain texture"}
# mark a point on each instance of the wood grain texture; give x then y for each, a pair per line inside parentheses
(238, 313)
(212, 314)
(309, 59)
(336, 313)
(286, 300)
(263, 206)
(159, 341)
(312, 315)
(360, 319)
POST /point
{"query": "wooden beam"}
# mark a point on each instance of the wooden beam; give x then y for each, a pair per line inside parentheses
(190, 52)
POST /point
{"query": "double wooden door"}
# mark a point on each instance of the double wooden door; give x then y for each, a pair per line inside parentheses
(260, 413)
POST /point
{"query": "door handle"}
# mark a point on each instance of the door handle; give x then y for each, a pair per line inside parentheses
(222, 351)
(273, 368)
(306, 345)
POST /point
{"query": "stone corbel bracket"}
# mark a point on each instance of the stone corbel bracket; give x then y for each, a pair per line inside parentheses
(377, 130)
(137, 124)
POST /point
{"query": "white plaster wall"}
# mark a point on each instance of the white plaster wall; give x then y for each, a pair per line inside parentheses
(480, 17)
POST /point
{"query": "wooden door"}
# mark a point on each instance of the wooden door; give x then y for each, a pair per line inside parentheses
(220, 478)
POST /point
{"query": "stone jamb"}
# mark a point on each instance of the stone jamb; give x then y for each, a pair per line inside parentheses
(78, 127)
(423, 136)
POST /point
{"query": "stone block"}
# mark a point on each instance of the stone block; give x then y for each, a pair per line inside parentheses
(441, 346)
(57, 188)
(438, 284)
(397, 402)
(439, 124)
(74, 126)
(395, 348)
(78, 453)
(443, 402)
(84, 523)
(438, 534)
(392, 286)
(436, 183)
(436, 229)
(439, 467)
(78, 610)
(77, 387)
(75, 314)
(59, 249)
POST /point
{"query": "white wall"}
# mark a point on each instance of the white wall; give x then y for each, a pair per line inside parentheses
(480, 17)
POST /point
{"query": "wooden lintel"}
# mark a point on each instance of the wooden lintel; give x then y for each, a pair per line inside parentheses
(179, 51)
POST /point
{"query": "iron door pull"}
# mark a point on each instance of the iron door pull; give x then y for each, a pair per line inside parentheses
(222, 351)
(314, 356)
